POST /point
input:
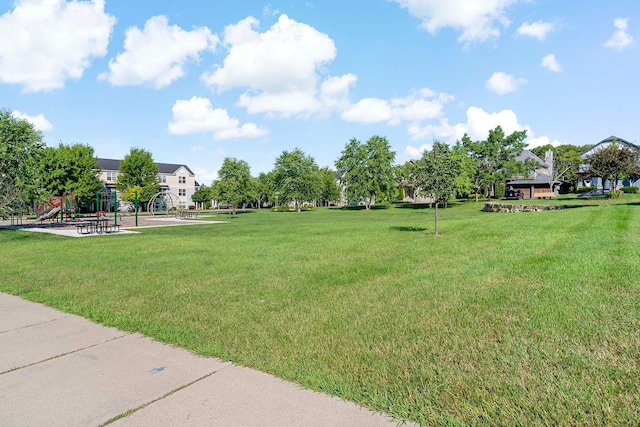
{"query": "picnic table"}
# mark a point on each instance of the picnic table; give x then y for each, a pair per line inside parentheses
(98, 225)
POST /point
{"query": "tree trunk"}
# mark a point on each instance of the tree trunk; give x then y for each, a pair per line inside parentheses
(436, 218)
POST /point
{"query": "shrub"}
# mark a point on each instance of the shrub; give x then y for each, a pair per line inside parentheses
(585, 189)
(281, 208)
(629, 190)
(307, 207)
(613, 194)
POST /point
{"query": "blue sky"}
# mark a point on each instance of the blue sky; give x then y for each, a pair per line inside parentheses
(196, 81)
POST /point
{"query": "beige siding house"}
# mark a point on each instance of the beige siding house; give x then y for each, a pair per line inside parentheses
(172, 178)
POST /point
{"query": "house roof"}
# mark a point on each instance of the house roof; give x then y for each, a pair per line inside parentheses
(620, 141)
(526, 155)
(609, 140)
(114, 165)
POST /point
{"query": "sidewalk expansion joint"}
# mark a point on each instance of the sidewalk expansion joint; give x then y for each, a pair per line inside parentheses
(63, 354)
(35, 324)
(144, 405)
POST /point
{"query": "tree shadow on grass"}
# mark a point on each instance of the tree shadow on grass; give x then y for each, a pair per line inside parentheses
(362, 207)
(408, 228)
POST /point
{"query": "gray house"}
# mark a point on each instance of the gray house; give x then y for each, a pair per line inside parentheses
(597, 182)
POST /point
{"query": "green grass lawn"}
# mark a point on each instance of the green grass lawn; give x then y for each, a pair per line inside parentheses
(503, 319)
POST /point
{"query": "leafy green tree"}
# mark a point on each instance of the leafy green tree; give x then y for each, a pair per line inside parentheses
(566, 161)
(466, 167)
(367, 170)
(69, 168)
(234, 182)
(260, 188)
(138, 169)
(613, 163)
(435, 175)
(20, 149)
(202, 195)
(329, 189)
(495, 158)
(296, 177)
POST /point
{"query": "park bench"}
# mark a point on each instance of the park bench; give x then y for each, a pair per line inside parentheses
(543, 194)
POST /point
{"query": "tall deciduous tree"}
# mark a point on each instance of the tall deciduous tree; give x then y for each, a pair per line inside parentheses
(20, 148)
(496, 157)
(234, 182)
(367, 170)
(138, 169)
(296, 177)
(435, 175)
(566, 161)
(260, 188)
(69, 168)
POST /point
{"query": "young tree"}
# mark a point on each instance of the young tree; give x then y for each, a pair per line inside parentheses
(20, 148)
(495, 158)
(367, 170)
(435, 174)
(613, 163)
(234, 180)
(202, 196)
(329, 190)
(138, 169)
(296, 177)
(69, 168)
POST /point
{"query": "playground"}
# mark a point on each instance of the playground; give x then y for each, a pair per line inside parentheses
(126, 225)
(59, 215)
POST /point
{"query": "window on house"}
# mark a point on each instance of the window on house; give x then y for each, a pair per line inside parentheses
(162, 179)
(112, 176)
(182, 180)
(182, 192)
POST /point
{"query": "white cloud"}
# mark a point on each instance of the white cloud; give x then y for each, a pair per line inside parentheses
(39, 121)
(197, 115)
(368, 110)
(204, 175)
(416, 152)
(621, 38)
(551, 63)
(421, 105)
(442, 131)
(281, 68)
(157, 54)
(502, 83)
(540, 141)
(478, 124)
(538, 29)
(47, 42)
(476, 19)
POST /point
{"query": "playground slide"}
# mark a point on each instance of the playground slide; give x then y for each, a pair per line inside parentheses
(50, 214)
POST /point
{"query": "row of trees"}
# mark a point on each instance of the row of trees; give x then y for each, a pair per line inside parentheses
(296, 179)
(33, 172)
(29, 171)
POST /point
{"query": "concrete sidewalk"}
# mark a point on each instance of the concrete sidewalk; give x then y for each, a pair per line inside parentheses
(58, 369)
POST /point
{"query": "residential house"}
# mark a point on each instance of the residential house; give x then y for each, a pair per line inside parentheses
(597, 182)
(538, 183)
(176, 179)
